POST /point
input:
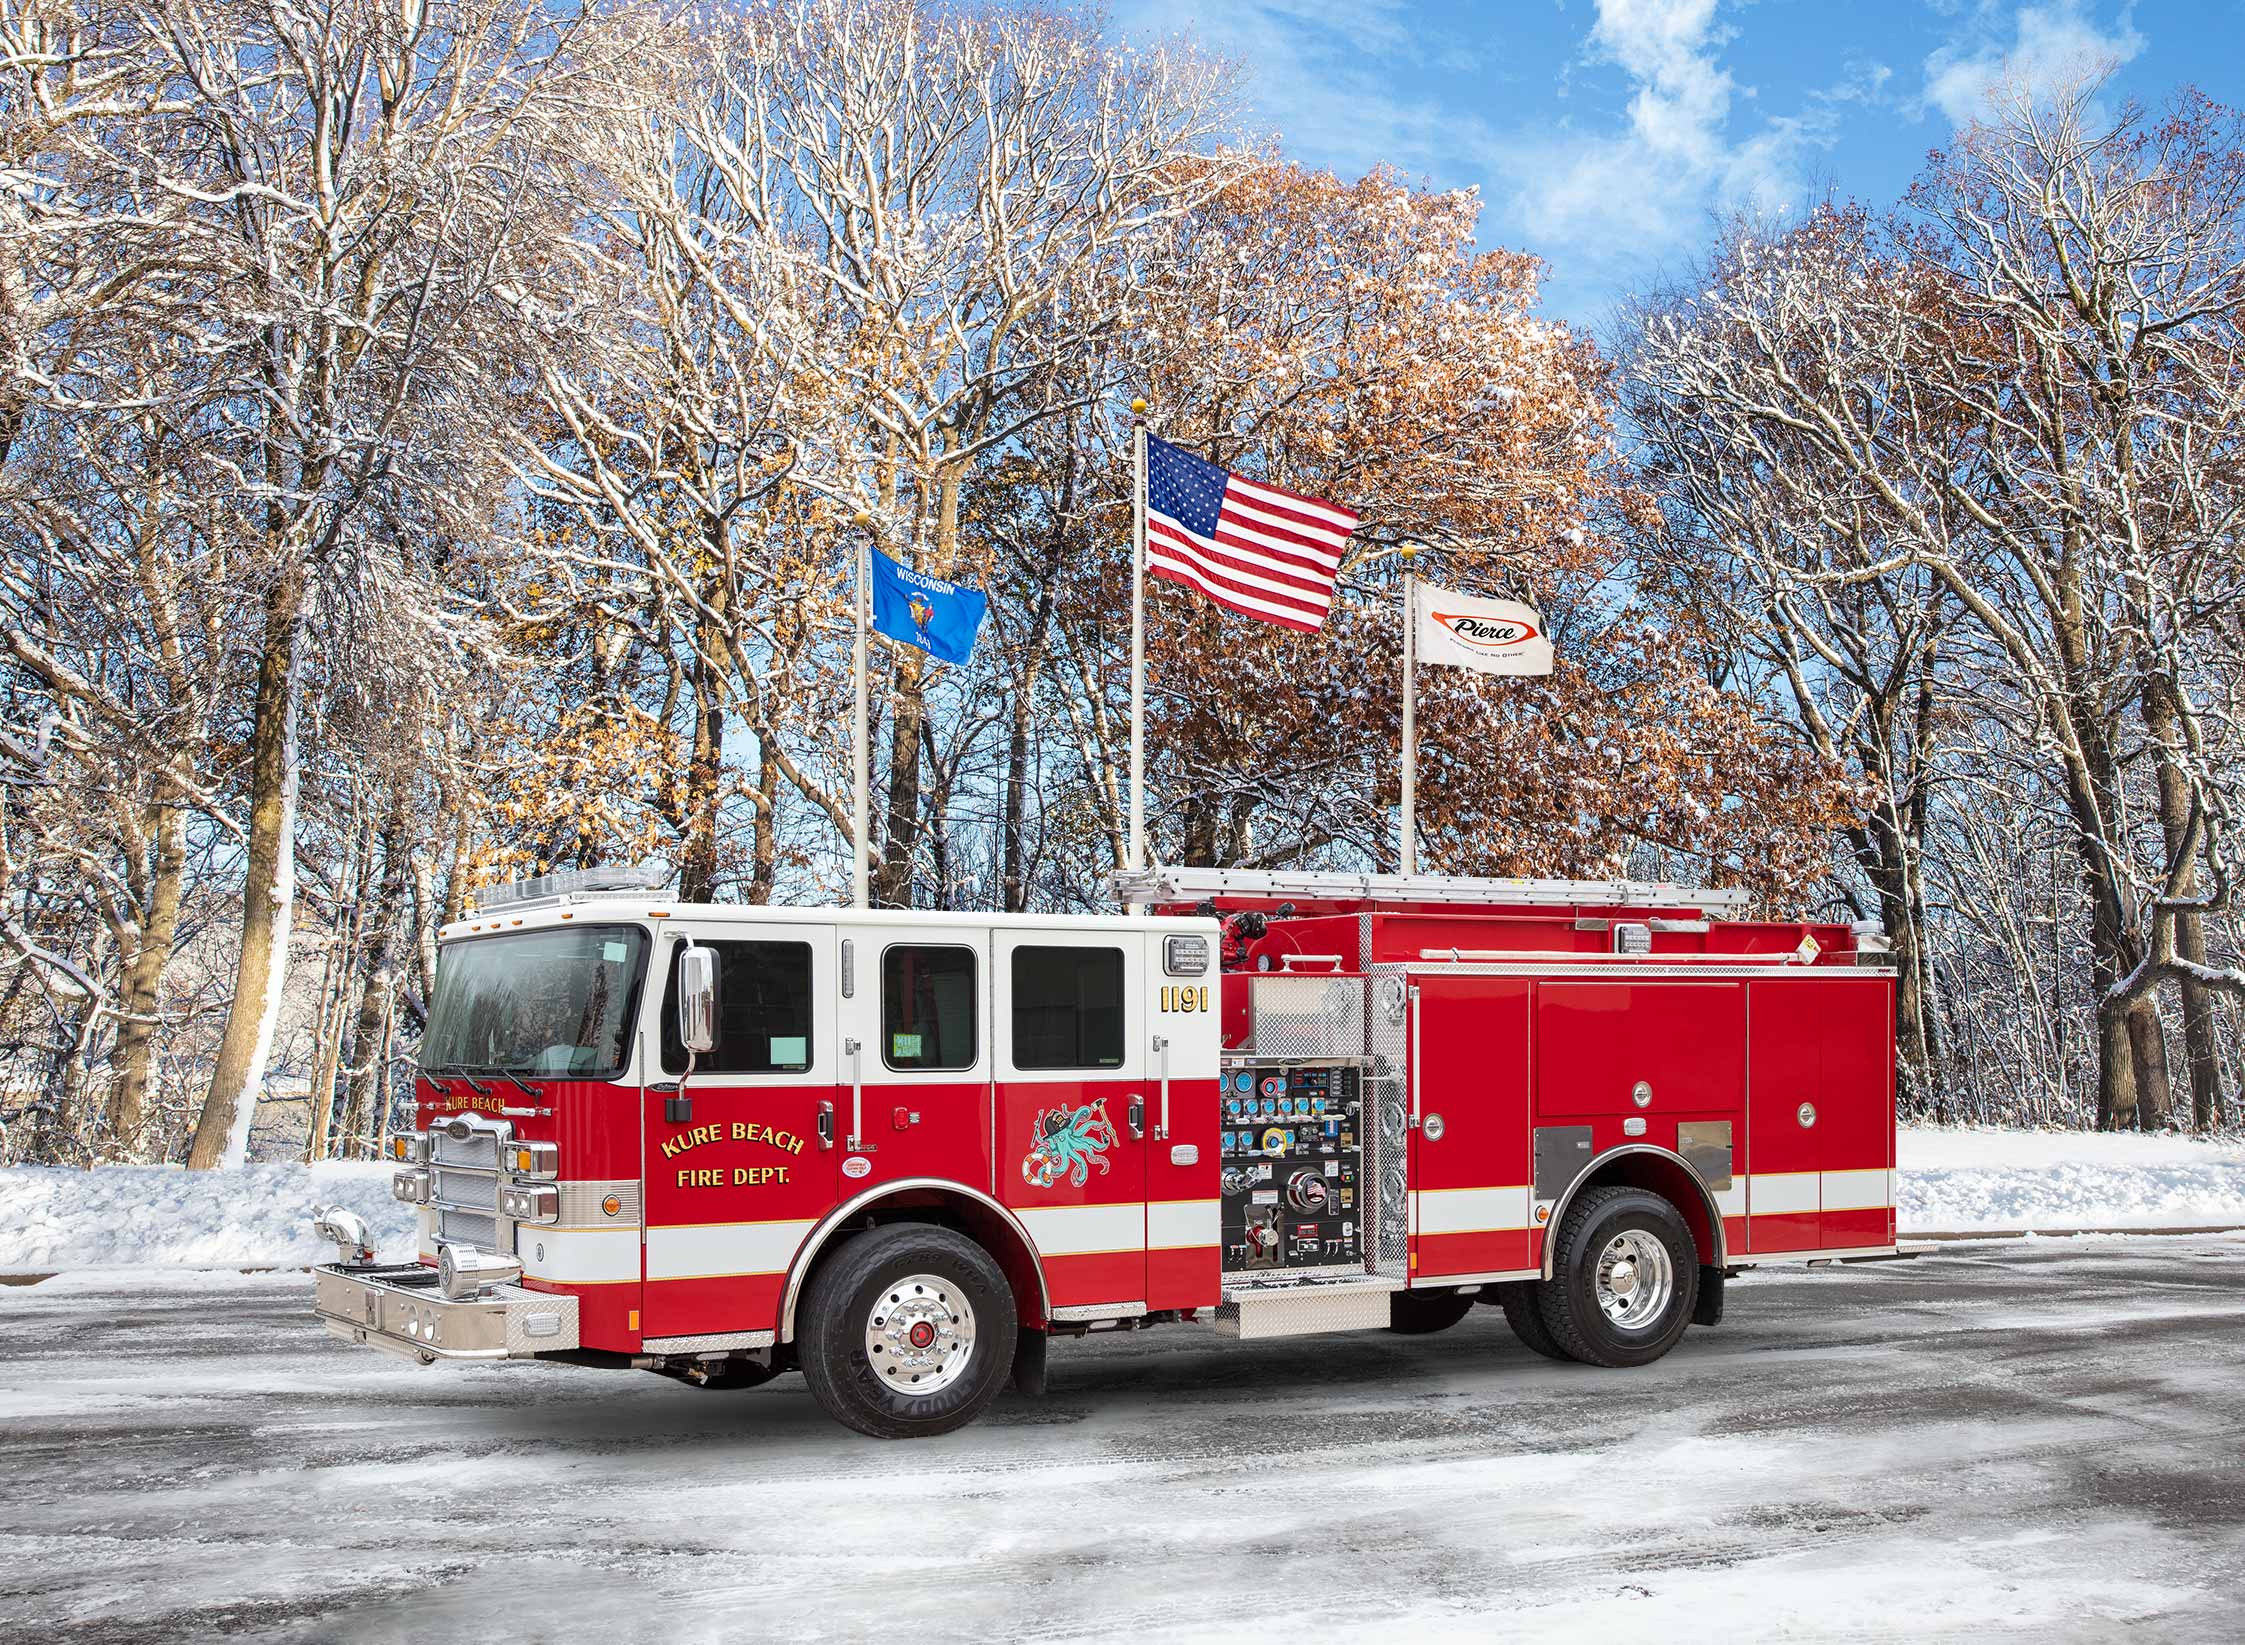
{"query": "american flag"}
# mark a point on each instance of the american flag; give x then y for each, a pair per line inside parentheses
(1250, 547)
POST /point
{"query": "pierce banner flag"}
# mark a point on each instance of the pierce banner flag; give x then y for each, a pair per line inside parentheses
(1493, 636)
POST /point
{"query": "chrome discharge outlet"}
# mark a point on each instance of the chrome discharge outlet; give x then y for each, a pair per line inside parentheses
(464, 1272)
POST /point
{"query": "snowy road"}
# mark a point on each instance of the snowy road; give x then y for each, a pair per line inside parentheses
(2034, 1441)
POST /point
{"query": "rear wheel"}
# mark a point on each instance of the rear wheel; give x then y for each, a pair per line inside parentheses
(908, 1331)
(1417, 1313)
(1624, 1279)
(1525, 1315)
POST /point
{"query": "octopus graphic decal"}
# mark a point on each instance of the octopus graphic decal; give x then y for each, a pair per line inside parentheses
(1068, 1143)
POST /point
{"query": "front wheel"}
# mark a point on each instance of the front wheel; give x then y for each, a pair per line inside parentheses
(908, 1331)
(1624, 1279)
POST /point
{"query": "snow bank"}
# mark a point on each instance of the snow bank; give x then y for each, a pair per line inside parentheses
(1952, 1181)
(1971, 1180)
(133, 1216)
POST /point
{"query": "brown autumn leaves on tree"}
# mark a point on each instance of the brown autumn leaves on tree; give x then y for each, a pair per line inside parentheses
(1347, 340)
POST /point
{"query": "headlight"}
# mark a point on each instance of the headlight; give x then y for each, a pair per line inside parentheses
(530, 1204)
(533, 1159)
(410, 1148)
(411, 1187)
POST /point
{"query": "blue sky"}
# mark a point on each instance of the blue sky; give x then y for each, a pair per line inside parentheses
(1605, 135)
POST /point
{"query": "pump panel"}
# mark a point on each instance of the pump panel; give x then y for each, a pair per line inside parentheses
(1293, 1183)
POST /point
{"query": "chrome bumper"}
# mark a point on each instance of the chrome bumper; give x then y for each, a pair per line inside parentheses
(397, 1306)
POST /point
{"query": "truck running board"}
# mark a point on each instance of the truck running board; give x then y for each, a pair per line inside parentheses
(1305, 1310)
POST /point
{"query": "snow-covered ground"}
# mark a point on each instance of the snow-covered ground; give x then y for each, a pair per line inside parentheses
(138, 1216)
(1952, 1181)
(1958, 1181)
(2015, 1441)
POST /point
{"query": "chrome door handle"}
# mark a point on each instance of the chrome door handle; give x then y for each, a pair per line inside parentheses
(857, 1095)
(1161, 1050)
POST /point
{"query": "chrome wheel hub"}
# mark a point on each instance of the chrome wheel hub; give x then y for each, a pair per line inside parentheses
(1635, 1280)
(919, 1336)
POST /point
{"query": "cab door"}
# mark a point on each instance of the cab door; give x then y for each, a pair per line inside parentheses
(738, 1165)
(1074, 1112)
(915, 1075)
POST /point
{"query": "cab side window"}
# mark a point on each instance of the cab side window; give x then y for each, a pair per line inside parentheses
(1067, 1007)
(764, 1015)
(927, 1007)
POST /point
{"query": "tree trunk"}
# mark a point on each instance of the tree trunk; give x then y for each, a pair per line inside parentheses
(2202, 1038)
(2147, 1044)
(705, 771)
(268, 889)
(764, 844)
(336, 980)
(2201, 1041)
(2116, 1077)
(1014, 847)
(378, 979)
(900, 825)
(133, 1059)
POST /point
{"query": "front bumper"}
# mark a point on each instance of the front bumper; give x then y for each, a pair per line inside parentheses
(398, 1307)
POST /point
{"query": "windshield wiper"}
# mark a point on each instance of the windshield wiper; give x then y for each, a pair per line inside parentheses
(518, 1082)
(454, 1071)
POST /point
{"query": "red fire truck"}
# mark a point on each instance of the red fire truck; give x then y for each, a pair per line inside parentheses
(902, 1152)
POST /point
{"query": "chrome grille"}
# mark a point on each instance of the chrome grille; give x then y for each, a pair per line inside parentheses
(479, 1150)
(467, 1228)
(477, 1189)
(464, 1182)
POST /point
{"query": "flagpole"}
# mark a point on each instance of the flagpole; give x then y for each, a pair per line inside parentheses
(861, 854)
(1137, 636)
(1409, 857)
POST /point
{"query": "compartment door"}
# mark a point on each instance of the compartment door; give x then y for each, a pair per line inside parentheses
(1072, 1028)
(1784, 1144)
(1471, 1175)
(1857, 1111)
(733, 1188)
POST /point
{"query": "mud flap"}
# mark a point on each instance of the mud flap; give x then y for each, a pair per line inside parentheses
(1029, 1362)
(1708, 1310)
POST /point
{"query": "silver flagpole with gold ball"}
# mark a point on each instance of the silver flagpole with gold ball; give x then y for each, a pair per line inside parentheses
(861, 849)
(1137, 637)
(1409, 856)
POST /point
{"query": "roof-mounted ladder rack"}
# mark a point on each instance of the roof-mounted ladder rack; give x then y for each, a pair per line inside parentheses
(1174, 885)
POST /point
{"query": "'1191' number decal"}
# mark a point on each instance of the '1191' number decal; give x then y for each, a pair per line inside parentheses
(1184, 998)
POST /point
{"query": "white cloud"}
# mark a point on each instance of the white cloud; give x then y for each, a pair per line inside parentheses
(2049, 45)
(1331, 75)
(1616, 196)
(1348, 85)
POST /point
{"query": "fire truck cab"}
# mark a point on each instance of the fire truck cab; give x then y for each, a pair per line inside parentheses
(901, 1152)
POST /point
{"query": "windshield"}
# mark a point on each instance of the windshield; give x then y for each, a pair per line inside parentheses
(540, 1002)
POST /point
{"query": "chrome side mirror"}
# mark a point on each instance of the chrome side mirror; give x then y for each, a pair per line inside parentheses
(697, 1000)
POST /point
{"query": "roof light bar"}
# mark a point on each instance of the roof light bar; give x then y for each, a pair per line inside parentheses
(573, 882)
(1167, 885)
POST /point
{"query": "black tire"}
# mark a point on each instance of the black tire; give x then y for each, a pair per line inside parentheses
(839, 1307)
(1569, 1300)
(1524, 1314)
(1420, 1313)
